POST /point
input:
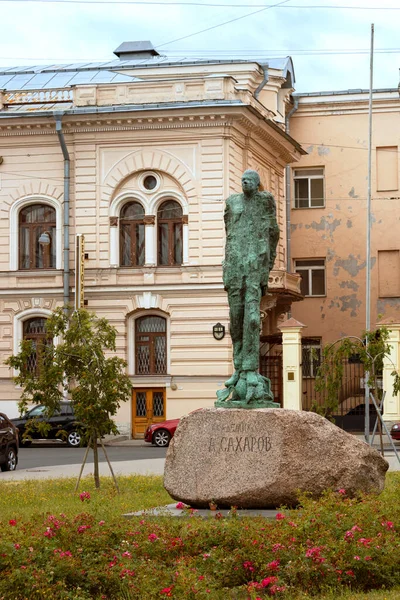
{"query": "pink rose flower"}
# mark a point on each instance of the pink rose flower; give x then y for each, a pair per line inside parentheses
(268, 580)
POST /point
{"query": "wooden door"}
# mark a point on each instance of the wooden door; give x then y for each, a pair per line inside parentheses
(148, 406)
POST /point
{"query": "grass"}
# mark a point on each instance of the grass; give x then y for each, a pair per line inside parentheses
(111, 558)
(376, 595)
(35, 498)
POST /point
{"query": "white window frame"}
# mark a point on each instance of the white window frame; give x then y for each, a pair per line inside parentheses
(313, 367)
(297, 175)
(19, 319)
(150, 204)
(310, 268)
(131, 331)
(14, 228)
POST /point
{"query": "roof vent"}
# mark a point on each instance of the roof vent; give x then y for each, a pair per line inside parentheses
(136, 51)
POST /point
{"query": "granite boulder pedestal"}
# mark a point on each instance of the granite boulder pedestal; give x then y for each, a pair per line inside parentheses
(262, 458)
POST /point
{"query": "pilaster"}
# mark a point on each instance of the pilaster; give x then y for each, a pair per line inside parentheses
(291, 363)
(391, 363)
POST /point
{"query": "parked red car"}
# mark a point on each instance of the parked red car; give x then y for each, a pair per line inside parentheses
(160, 434)
(395, 431)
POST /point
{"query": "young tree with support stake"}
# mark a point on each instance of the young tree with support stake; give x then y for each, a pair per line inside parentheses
(77, 366)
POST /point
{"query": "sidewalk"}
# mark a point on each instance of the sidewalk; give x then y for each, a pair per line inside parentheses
(151, 466)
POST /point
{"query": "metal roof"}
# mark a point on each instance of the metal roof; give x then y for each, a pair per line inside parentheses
(42, 109)
(51, 78)
(343, 92)
(59, 76)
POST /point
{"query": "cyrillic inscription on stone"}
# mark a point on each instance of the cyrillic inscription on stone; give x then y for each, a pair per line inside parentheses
(240, 444)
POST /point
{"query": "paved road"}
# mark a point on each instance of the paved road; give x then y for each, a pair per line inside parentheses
(47, 454)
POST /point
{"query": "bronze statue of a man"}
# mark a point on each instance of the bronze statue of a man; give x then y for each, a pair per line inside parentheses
(252, 235)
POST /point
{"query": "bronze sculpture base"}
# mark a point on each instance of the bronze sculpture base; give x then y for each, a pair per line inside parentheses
(246, 389)
(250, 405)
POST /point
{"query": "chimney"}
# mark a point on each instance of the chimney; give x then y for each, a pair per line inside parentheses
(136, 51)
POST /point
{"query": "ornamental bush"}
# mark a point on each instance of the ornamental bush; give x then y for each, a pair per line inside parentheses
(333, 544)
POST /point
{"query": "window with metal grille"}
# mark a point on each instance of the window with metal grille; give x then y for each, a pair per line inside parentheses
(37, 237)
(309, 188)
(158, 404)
(141, 406)
(132, 235)
(35, 330)
(151, 345)
(312, 273)
(310, 356)
(169, 228)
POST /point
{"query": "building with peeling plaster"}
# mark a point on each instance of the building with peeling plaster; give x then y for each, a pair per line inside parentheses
(145, 150)
(328, 195)
(138, 155)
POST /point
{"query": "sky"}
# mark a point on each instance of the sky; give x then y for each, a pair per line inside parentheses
(328, 40)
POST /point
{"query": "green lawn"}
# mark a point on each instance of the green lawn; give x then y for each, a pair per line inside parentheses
(56, 544)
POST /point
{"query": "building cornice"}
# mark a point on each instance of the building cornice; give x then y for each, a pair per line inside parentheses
(346, 104)
(249, 116)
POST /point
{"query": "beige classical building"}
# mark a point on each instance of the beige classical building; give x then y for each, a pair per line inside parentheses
(329, 219)
(139, 155)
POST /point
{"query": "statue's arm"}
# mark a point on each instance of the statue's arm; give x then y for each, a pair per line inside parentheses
(273, 231)
(228, 211)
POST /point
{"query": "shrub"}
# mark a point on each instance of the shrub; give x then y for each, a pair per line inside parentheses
(333, 544)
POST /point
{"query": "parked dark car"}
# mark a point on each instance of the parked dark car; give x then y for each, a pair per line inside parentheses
(8, 444)
(395, 431)
(354, 419)
(63, 420)
(160, 434)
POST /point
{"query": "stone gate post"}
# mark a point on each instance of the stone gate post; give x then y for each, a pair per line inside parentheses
(391, 363)
(291, 363)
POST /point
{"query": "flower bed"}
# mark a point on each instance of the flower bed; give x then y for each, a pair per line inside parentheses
(333, 544)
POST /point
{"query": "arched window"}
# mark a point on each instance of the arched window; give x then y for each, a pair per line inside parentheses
(170, 227)
(132, 235)
(37, 237)
(151, 345)
(35, 330)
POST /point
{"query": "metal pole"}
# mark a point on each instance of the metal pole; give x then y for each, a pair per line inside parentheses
(67, 176)
(368, 251)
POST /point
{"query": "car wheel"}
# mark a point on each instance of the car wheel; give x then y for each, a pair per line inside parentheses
(161, 438)
(11, 462)
(74, 439)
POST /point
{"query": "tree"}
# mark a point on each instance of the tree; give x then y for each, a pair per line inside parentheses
(76, 366)
(370, 350)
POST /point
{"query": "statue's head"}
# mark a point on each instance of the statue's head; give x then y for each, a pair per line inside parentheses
(250, 182)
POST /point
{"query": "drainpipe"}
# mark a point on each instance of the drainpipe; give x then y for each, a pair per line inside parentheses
(264, 81)
(288, 207)
(66, 274)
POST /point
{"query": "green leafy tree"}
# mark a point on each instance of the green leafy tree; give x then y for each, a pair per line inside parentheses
(78, 367)
(370, 349)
